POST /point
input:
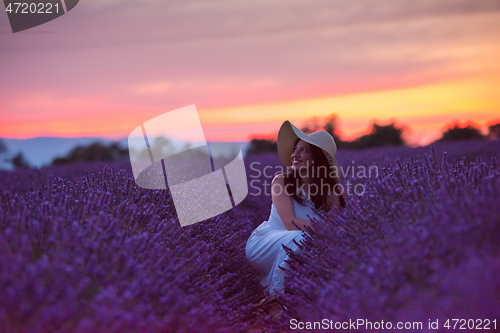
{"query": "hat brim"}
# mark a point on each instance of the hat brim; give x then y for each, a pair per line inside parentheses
(288, 135)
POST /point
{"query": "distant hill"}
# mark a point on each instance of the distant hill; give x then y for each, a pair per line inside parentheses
(41, 151)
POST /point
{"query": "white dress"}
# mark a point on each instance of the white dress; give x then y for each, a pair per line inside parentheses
(264, 249)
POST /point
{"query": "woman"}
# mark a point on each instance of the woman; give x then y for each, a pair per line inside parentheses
(310, 183)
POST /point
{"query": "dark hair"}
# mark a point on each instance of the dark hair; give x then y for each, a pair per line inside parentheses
(320, 175)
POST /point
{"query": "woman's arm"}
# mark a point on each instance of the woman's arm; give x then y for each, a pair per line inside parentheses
(284, 205)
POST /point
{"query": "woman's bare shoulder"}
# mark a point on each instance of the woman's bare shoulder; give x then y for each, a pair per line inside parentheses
(279, 178)
(278, 186)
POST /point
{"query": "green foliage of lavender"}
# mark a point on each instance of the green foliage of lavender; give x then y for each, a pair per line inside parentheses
(83, 249)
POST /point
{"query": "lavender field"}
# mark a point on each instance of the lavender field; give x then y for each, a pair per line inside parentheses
(83, 249)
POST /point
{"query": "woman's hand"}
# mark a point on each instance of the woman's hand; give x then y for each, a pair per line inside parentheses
(284, 205)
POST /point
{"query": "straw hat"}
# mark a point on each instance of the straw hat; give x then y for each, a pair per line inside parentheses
(288, 134)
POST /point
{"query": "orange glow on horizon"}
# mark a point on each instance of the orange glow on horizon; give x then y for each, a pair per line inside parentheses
(423, 110)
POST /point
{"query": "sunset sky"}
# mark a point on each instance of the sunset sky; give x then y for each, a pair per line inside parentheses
(109, 65)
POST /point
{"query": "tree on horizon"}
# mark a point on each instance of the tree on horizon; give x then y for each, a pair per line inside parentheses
(93, 152)
(261, 146)
(3, 150)
(3, 147)
(380, 135)
(19, 161)
(494, 131)
(458, 132)
(330, 124)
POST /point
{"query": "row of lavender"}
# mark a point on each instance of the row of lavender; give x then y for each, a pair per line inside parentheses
(89, 251)
(421, 244)
(84, 249)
